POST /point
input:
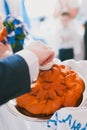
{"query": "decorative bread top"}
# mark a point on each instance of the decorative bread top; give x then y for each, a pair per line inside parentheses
(54, 88)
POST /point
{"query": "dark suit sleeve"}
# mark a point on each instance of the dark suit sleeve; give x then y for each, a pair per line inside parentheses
(14, 78)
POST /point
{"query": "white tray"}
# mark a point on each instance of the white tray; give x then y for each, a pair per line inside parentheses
(11, 104)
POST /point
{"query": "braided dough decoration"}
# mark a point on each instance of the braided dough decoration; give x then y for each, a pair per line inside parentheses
(54, 88)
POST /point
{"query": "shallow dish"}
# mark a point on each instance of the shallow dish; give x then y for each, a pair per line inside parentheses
(12, 107)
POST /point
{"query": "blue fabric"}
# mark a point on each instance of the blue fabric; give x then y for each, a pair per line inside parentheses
(6, 7)
(24, 14)
(14, 78)
(66, 53)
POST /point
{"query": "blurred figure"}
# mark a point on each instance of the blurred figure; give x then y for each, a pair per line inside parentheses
(66, 50)
(70, 6)
(50, 27)
(68, 38)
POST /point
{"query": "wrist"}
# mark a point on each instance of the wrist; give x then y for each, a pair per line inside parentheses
(32, 61)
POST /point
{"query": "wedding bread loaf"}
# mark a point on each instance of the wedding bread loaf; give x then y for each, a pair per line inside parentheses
(55, 88)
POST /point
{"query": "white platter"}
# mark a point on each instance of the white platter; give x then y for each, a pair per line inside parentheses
(12, 109)
(11, 106)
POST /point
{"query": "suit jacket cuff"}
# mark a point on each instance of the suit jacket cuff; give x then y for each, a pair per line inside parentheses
(32, 62)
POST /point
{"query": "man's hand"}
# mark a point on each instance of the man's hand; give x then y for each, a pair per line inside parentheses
(44, 54)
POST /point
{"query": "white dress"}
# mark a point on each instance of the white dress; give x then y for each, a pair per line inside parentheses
(14, 6)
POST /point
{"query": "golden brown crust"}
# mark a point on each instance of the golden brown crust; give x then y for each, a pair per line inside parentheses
(55, 88)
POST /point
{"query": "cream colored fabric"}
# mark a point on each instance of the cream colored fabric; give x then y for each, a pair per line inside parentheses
(83, 10)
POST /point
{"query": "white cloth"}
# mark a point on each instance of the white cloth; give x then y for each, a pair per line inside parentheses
(69, 119)
(63, 119)
(9, 121)
(83, 10)
(14, 6)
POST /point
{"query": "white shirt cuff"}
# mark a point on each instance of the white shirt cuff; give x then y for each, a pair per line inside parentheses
(32, 61)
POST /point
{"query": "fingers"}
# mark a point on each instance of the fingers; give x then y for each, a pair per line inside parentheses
(43, 52)
(49, 59)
